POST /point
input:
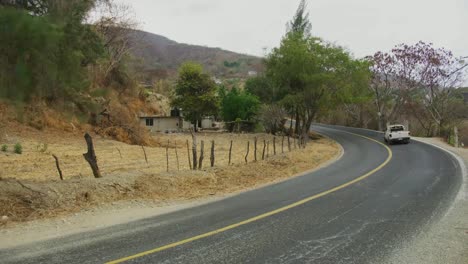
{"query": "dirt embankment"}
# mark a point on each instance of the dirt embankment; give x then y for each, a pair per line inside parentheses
(30, 188)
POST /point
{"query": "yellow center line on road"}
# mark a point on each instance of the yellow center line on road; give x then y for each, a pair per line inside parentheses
(264, 215)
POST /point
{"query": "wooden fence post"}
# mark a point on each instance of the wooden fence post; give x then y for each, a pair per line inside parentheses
(289, 144)
(268, 149)
(248, 147)
(120, 153)
(144, 152)
(230, 150)
(212, 157)
(188, 155)
(202, 152)
(274, 145)
(90, 156)
(194, 150)
(282, 144)
(167, 156)
(176, 155)
(58, 166)
(264, 147)
(255, 148)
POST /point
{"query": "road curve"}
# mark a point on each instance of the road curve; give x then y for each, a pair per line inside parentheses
(360, 222)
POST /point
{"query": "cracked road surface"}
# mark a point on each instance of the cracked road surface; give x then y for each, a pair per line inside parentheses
(359, 223)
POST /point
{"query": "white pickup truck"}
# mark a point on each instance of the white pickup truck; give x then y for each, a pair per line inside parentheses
(396, 133)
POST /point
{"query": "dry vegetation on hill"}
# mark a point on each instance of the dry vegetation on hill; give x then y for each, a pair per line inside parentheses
(159, 56)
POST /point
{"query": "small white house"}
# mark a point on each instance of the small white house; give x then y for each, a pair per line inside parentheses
(252, 73)
(207, 122)
(162, 123)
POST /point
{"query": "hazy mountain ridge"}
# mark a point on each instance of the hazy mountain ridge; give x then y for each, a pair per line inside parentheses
(158, 55)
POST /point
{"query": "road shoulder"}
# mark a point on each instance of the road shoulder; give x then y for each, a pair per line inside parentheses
(446, 240)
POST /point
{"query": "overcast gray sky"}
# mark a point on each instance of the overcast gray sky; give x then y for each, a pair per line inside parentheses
(362, 26)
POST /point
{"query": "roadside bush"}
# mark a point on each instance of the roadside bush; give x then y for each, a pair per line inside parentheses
(239, 105)
(4, 148)
(18, 149)
(272, 117)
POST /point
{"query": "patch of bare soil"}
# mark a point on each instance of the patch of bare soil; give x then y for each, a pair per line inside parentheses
(30, 188)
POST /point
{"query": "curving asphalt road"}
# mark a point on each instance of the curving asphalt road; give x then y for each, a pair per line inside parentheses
(395, 194)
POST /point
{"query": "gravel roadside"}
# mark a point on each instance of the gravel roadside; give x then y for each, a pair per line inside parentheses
(445, 242)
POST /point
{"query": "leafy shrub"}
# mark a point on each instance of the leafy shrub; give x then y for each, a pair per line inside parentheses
(239, 105)
(18, 149)
(4, 148)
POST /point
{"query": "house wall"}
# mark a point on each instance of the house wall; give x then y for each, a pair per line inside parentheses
(207, 123)
(186, 125)
(162, 124)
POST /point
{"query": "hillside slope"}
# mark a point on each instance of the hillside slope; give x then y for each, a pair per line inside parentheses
(157, 55)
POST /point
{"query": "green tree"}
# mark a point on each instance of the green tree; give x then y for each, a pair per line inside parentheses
(300, 24)
(45, 57)
(261, 87)
(239, 104)
(195, 93)
(312, 75)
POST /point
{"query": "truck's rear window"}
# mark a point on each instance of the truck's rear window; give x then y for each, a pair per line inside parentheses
(396, 129)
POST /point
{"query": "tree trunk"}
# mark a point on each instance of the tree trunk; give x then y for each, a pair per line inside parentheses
(305, 130)
(290, 126)
(90, 156)
(298, 123)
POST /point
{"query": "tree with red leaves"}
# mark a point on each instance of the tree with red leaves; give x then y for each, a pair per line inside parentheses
(420, 75)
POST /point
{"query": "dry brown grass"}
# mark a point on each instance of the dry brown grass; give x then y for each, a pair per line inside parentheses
(39, 192)
(39, 165)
